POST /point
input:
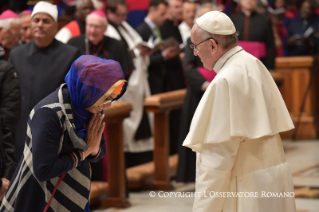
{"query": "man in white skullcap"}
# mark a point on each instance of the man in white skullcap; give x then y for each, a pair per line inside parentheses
(235, 129)
(41, 64)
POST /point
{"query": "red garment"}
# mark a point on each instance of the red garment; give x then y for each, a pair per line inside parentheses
(207, 74)
(291, 13)
(282, 32)
(74, 28)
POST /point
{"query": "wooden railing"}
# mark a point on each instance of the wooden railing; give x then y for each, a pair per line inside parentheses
(161, 105)
(296, 72)
(116, 194)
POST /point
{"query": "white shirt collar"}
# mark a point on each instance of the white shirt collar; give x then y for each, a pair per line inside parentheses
(150, 23)
(220, 63)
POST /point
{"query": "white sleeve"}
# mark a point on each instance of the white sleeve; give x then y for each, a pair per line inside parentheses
(213, 172)
(64, 35)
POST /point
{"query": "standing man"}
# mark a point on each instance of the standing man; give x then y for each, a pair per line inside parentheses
(77, 26)
(189, 13)
(149, 29)
(93, 42)
(173, 67)
(26, 34)
(235, 129)
(162, 77)
(253, 29)
(137, 134)
(41, 64)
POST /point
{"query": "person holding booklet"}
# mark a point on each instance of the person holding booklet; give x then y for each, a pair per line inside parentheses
(302, 34)
(137, 129)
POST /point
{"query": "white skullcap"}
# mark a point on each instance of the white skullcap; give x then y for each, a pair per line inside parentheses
(46, 7)
(217, 23)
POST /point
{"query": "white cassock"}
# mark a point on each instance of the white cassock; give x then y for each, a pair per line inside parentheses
(185, 31)
(235, 132)
(137, 90)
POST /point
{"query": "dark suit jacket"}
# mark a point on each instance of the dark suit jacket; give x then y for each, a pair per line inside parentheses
(259, 29)
(156, 76)
(40, 72)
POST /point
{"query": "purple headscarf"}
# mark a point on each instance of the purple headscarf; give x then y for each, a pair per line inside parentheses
(90, 81)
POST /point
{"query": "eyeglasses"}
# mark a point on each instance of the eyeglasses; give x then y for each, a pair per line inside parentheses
(194, 46)
(96, 27)
(108, 102)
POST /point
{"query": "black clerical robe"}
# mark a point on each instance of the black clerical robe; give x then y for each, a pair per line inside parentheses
(186, 168)
(156, 69)
(257, 27)
(109, 48)
(173, 67)
(174, 80)
(40, 72)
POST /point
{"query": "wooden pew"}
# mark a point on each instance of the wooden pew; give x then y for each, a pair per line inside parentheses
(296, 72)
(113, 193)
(156, 175)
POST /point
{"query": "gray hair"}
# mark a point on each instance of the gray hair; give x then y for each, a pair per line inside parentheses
(5, 24)
(225, 41)
(103, 19)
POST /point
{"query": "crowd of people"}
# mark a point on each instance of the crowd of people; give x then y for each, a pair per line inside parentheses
(156, 57)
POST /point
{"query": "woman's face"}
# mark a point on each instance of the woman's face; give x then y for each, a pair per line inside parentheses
(106, 104)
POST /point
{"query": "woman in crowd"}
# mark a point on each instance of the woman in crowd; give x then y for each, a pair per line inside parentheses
(63, 138)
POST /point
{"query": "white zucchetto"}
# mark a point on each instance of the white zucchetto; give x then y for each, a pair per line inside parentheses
(46, 7)
(217, 23)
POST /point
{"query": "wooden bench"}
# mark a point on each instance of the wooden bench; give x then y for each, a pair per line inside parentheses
(157, 174)
(296, 72)
(113, 192)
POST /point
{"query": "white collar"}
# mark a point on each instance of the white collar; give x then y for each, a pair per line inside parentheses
(220, 63)
(150, 24)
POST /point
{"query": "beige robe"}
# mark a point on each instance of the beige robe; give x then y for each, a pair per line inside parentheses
(235, 132)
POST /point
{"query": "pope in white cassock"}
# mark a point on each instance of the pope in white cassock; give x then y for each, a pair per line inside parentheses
(235, 129)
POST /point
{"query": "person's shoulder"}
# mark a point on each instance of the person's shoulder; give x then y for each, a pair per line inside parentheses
(49, 100)
(142, 27)
(65, 48)
(109, 39)
(112, 42)
(5, 66)
(77, 39)
(261, 17)
(235, 16)
(21, 49)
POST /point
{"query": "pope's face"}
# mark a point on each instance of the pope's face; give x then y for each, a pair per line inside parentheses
(206, 51)
(95, 28)
(43, 26)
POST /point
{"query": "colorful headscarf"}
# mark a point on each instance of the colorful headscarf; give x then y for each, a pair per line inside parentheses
(90, 81)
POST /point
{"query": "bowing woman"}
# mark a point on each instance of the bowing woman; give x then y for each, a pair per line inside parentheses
(63, 137)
